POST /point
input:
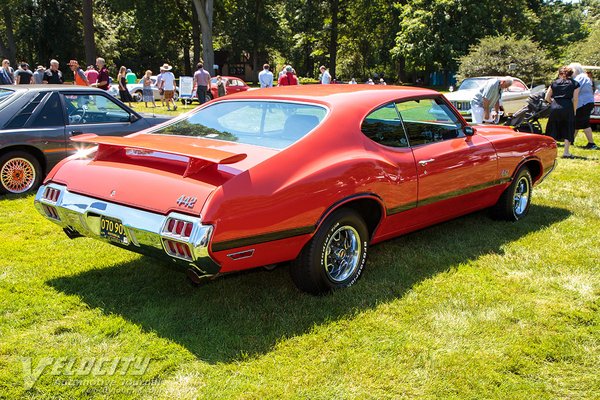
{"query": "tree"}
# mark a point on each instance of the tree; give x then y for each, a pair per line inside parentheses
(88, 32)
(204, 9)
(506, 55)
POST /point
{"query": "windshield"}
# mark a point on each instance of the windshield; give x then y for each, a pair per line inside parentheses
(5, 94)
(469, 84)
(262, 123)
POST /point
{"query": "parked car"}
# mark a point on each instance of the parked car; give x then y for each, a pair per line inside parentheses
(595, 117)
(308, 174)
(135, 89)
(232, 85)
(36, 122)
(513, 98)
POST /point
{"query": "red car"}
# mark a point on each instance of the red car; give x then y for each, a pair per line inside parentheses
(595, 117)
(232, 85)
(309, 174)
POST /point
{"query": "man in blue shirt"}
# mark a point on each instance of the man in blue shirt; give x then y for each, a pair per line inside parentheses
(488, 98)
(265, 77)
(325, 75)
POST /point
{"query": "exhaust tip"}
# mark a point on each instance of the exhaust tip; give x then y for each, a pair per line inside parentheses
(197, 278)
(71, 233)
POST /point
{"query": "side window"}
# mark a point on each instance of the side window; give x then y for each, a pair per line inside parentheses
(93, 109)
(23, 116)
(383, 126)
(51, 114)
(428, 121)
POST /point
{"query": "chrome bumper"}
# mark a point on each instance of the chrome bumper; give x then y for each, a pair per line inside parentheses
(146, 232)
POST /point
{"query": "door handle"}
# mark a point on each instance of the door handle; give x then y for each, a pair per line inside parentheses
(425, 162)
(75, 133)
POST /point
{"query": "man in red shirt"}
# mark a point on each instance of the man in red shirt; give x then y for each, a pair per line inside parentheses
(91, 74)
(102, 74)
(288, 78)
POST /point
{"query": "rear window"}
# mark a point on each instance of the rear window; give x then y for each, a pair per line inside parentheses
(262, 123)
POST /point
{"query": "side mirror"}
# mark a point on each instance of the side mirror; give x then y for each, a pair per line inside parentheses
(469, 130)
(133, 118)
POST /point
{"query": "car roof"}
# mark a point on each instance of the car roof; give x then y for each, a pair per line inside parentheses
(367, 95)
(50, 88)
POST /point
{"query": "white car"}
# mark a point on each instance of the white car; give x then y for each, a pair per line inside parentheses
(136, 90)
(513, 98)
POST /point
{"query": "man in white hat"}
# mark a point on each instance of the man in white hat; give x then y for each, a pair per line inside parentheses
(167, 84)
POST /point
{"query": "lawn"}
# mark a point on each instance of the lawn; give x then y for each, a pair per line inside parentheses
(471, 308)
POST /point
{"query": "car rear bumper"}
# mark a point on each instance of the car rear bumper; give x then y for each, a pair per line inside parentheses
(145, 232)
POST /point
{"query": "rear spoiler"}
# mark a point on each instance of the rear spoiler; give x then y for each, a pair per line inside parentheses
(200, 157)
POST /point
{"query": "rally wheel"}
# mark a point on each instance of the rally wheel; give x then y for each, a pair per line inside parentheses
(514, 203)
(335, 256)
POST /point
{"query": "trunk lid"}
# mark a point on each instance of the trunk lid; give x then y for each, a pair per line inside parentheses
(157, 173)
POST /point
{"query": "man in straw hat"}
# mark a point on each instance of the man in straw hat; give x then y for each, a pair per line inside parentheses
(167, 84)
(159, 84)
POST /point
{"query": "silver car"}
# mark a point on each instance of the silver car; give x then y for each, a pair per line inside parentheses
(513, 98)
(135, 89)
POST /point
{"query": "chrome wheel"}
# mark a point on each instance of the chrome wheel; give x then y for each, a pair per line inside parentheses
(18, 175)
(342, 253)
(521, 197)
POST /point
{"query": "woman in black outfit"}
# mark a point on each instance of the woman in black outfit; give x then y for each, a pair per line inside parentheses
(123, 91)
(563, 94)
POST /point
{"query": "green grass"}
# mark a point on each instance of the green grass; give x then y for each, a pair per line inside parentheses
(181, 108)
(471, 308)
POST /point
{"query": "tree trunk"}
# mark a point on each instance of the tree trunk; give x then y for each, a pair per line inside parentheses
(204, 8)
(11, 49)
(333, 40)
(196, 35)
(187, 67)
(88, 32)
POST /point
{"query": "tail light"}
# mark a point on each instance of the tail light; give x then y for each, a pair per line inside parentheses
(178, 228)
(51, 194)
(50, 212)
(178, 249)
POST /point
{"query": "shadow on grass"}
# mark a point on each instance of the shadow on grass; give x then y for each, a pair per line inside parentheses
(246, 314)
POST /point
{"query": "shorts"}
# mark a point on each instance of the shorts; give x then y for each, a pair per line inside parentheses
(169, 94)
(582, 116)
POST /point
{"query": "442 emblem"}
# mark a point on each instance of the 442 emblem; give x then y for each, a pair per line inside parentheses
(186, 201)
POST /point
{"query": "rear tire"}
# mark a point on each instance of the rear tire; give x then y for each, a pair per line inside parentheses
(20, 172)
(335, 256)
(514, 203)
(138, 96)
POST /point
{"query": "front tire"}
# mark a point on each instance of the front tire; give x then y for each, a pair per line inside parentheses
(335, 256)
(138, 96)
(20, 172)
(514, 203)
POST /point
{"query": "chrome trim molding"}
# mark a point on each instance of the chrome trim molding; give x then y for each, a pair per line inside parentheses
(145, 230)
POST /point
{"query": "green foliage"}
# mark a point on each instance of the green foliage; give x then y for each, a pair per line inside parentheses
(494, 54)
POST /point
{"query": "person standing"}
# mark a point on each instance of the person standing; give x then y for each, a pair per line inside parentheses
(168, 86)
(220, 87)
(38, 75)
(91, 74)
(563, 95)
(53, 76)
(103, 78)
(487, 99)
(585, 105)
(202, 82)
(23, 76)
(147, 92)
(265, 77)
(79, 76)
(6, 74)
(325, 75)
(123, 91)
(158, 84)
(352, 81)
(131, 78)
(289, 78)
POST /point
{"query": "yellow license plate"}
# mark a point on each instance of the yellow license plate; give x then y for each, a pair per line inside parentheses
(113, 229)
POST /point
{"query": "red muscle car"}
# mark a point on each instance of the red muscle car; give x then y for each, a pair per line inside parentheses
(309, 174)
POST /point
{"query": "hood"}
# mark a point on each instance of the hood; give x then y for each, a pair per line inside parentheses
(461, 95)
(152, 172)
